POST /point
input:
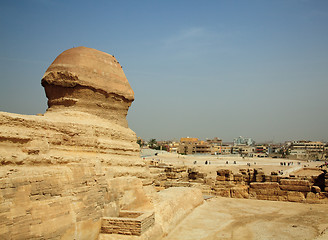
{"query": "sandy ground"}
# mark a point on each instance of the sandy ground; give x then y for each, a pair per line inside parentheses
(232, 162)
(229, 218)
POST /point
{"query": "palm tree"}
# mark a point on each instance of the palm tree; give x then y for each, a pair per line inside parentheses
(152, 143)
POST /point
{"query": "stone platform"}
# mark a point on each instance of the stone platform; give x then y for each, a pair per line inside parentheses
(128, 223)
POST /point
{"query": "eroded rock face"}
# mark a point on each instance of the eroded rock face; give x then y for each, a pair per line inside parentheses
(57, 170)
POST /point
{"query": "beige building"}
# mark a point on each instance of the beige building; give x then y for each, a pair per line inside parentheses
(214, 142)
(225, 149)
(187, 146)
(173, 147)
(307, 149)
(243, 150)
(193, 146)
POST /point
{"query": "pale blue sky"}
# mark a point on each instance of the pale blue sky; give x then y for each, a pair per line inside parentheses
(256, 68)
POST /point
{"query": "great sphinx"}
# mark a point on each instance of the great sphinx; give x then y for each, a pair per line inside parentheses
(62, 171)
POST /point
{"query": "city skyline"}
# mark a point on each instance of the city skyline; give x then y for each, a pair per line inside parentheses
(216, 69)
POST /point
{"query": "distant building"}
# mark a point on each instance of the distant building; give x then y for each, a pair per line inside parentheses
(173, 147)
(187, 146)
(214, 142)
(261, 149)
(274, 148)
(225, 149)
(215, 145)
(243, 150)
(243, 141)
(307, 149)
(203, 148)
(193, 146)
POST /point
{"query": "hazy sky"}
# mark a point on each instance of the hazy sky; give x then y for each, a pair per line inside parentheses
(256, 68)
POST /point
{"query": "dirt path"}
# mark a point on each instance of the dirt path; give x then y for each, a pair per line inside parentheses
(227, 218)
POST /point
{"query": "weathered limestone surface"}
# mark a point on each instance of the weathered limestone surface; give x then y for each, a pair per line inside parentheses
(173, 204)
(62, 172)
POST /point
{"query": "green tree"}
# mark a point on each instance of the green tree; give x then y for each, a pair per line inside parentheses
(139, 142)
(152, 143)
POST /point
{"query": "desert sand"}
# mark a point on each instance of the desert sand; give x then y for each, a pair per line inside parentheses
(228, 218)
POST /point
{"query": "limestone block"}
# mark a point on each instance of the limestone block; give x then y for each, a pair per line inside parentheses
(296, 188)
(266, 185)
(224, 172)
(275, 178)
(260, 178)
(220, 178)
(294, 182)
(264, 191)
(293, 196)
(267, 194)
(222, 192)
(224, 184)
(246, 177)
(283, 197)
(312, 197)
(239, 192)
(238, 177)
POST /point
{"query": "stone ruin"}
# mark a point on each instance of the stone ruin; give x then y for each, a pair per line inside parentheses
(247, 183)
(254, 184)
(68, 173)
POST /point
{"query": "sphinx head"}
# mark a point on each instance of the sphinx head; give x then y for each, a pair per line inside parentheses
(87, 80)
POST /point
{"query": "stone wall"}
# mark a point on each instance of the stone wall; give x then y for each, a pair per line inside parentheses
(248, 183)
(253, 183)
